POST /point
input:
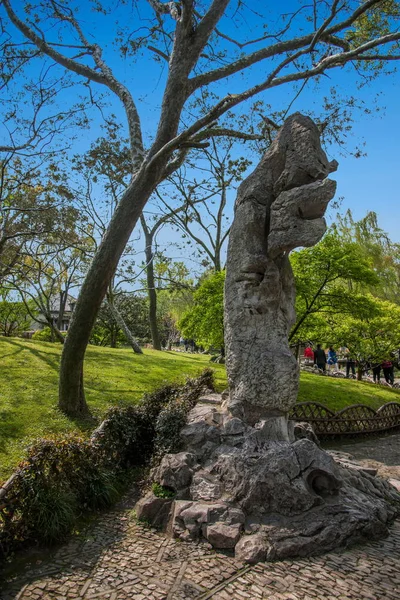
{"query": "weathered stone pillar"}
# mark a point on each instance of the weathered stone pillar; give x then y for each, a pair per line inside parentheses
(280, 206)
(239, 479)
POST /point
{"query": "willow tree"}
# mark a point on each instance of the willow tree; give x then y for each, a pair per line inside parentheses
(199, 57)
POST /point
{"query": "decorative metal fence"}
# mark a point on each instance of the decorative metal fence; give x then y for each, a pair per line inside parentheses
(352, 420)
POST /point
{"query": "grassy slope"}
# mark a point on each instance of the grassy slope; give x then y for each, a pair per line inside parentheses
(29, 379)
(28, 388)
(339, 393)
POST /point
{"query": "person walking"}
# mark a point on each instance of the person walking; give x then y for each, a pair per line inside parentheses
(388, 371)
(309, 355)
(376, 373)
(350, 365)
(320, 358)
(332, 359)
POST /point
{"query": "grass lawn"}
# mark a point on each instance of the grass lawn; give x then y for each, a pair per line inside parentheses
(29, 383)
(339, 393)
(29, 379)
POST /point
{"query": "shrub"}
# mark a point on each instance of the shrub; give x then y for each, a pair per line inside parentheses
(50, 512)
(45, 335)
(168, 427)
(62, 477)
(173, 416)
(128, 435)
(162, 492)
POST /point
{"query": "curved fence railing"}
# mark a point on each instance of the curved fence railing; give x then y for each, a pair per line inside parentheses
(352, 420)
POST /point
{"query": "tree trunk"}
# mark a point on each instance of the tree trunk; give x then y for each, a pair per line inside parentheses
(63, 302)
(151, 290)
(71, 392)
(113, 336)
(127, 332)
(55, 332)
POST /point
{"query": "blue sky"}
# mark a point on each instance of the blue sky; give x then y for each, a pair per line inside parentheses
(367, 183)
(372, 182)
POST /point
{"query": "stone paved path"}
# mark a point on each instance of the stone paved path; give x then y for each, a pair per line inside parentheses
(117, 559)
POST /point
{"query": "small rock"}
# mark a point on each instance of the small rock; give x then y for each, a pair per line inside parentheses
(204, 413)
(395, 483)
(221, 535)
(233, 426)
(305, 430)
(175, 470)
(153, 509)
(252, 548)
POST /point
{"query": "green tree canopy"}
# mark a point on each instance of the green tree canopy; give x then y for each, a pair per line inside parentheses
(371, 338)
(330, 279)
(204, 322)
(14, 318)
(378, 249)
(134, 311)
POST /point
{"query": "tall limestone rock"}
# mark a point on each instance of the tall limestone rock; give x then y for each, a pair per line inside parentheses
(280, 206)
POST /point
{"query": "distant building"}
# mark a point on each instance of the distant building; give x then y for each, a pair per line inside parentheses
(55, 311)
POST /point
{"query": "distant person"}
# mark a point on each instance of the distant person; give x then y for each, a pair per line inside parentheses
(388, 371)
(320, 358)
(332, 359)
(309, 354)
(350, 365)
(376, 373)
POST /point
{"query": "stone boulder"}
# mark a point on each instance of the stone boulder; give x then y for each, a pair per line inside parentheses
(266, 499)
(252, 548)
(175, 471)
(154, 510)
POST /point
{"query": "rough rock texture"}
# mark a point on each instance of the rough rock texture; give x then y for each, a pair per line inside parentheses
(243, 480)
(154, 510)
(280, 206)
(266, 499)
(252, 548)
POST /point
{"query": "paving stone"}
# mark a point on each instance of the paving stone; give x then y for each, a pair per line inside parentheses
(118, 559)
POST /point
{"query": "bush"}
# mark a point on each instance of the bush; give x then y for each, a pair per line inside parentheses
(173, 416)
(130, 435)
(45, 335)
(51, 512)
(62, 477)
(58, 480)
(162, 492)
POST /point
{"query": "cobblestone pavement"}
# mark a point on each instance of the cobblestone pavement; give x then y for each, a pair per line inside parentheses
(117, 559)
(381, 452)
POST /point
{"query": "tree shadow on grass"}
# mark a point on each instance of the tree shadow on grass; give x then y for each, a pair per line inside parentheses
(9, 428)
(12, 353)
(52, 360)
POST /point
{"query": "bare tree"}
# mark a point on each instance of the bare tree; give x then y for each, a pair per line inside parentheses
(197, 54)
(203, 220)
(34, 207)
(44, 279)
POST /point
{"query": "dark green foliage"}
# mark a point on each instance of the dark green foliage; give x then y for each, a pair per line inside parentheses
(134, 311)
(173, 415)
(58, 480)
(169, 424)
(162, 492)
(50, 512)
(14, 318)
(46, 335)
(204, 321)
(129, 435)
(62, 477)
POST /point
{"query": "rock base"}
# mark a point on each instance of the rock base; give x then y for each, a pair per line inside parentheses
(265, 499)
